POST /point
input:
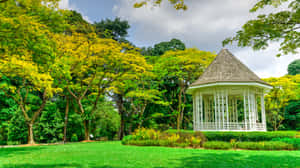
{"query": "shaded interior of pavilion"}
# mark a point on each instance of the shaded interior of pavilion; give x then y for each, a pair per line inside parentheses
(234, 108)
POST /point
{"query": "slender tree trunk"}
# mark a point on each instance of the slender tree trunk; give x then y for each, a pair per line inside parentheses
(180, 105)
(30, 134)
(66, 120)
(130, 128)
(86, 130)
(119, 103)
(121, 133)
(178, 121)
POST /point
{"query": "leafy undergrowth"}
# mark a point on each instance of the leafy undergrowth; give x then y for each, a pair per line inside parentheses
(115, 155)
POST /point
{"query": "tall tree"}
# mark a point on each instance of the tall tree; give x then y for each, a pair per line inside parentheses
(162, 47)
(294, 67)
(182, 68)
(27, 53)
(281, 26)
(77, 23)
(116, 29)
(93, 66)
(132, 95)
(285, 89)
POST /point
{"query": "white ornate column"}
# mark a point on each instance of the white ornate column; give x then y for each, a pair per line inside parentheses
(194, 112)
(201, 111)
(216, 113)
(263, 113)
(245, 110)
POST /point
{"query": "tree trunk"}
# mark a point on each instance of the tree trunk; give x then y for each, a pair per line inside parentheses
(119, 102)
(66, 120)
(178, 121)
(121, 133)
(86, 130)
(30, 134)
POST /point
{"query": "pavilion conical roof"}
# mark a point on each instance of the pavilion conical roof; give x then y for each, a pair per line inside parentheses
(227, 68)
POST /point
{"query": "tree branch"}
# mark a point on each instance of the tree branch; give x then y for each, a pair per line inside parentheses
(37, 113)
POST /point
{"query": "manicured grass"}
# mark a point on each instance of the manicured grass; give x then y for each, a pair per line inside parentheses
(115, 155)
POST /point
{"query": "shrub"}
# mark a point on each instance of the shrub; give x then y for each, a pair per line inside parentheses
(17, 130)
(265, 145)
(293, 141)
(157, 138)
(107, 120)
(155, 143)
(217, 145)
(74, 138)
(14, 143)
(49, 128)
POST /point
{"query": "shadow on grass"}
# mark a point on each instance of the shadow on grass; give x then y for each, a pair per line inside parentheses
(7, 152)
(237, 160)
(51, 166)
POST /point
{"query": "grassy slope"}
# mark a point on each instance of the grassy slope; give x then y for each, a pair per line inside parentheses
(115, 155)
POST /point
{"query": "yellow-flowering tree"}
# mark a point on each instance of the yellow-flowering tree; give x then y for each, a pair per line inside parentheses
(94, 66)
(27, 53)
(285, 89)
(181, 68)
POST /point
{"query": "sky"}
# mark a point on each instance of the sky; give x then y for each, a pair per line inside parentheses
(204, 26)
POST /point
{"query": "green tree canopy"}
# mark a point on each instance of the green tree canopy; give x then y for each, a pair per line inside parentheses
(162, 47)
(282, 26)
(116, 29)
(294, 67)
(181, 67)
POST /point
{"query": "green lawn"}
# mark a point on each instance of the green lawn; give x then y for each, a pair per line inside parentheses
(115, 155)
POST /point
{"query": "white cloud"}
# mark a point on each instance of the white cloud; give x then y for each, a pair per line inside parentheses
(265, 63)
(65, 4)
(205, 22)
(204, 25)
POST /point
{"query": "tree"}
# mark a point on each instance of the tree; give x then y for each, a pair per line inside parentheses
(181, 68)
(285, 89)
(116, 29)
(107, 120)
(292, 115)
(294, 67)
(282, 26)
(77, 23)
(162, 47)
(177, 4)
(27, 53)
(134, 94)
(93, 66)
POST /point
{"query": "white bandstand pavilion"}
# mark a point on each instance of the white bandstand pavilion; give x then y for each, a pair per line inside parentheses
(228, 96)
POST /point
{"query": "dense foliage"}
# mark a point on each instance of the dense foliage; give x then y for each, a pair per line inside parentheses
(294, 67)
(285, 90)
(281, 26)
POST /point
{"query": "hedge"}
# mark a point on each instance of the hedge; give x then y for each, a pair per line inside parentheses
(293, 141)
(243, 136)
(167, 143)
(217, 145)
(269, 145)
